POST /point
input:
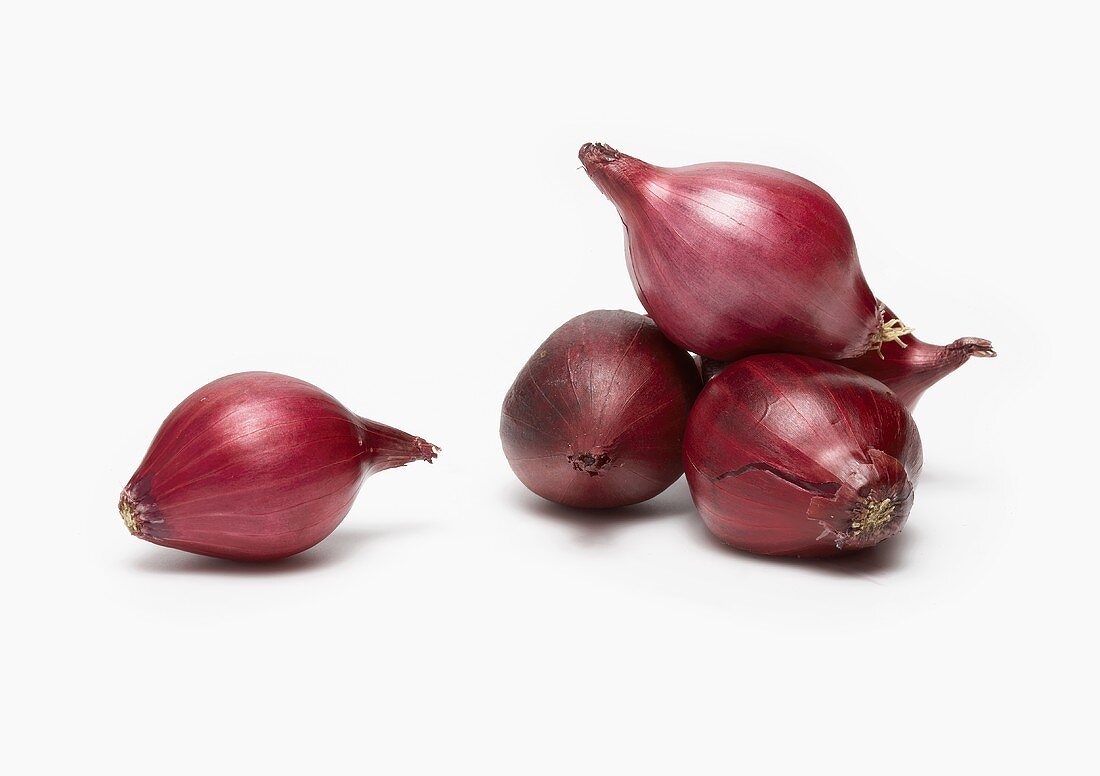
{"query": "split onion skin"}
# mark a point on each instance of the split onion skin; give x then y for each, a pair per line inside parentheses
(734, 259)
(258, 466)
(908, 371)
(789, 455)
(596, 417)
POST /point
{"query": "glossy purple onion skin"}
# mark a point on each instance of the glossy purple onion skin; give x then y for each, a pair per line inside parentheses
(912, 370)
(257, 466)
(596, 417)
(789, 455)
(732, 259)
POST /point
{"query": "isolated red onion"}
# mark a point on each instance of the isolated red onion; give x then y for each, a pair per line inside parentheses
(257, 466)
(596, 417)
(911, 370)
(732, 259)
(789, 455)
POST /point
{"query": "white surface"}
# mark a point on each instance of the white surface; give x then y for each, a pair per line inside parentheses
(386, 201)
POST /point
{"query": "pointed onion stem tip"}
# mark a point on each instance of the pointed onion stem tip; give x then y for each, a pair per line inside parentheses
(973, 346)
(596, 154)
(426, 451)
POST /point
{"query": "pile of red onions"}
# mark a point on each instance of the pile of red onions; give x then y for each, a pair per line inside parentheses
(802, 442)
(258, 466)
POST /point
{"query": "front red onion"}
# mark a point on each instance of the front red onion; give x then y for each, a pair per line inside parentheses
(911, 370)
(788, 455)
(257, 466)
(596, 417)
(732, 259)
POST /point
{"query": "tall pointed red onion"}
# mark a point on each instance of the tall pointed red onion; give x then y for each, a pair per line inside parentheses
(731, 259)
(788, 455)
(911, 370)
(257, 466)
(596, 417)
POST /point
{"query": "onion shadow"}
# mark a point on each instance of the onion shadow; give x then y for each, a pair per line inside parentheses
(888, 557)
(600, 526)
(341, 545)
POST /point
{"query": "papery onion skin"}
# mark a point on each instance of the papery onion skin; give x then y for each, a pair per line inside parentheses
(789, 455)
(911, 370)
(258, 466)
(596, 417)
(732, 259)
(908, 366)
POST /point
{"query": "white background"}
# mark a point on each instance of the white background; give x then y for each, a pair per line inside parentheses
(385, 200)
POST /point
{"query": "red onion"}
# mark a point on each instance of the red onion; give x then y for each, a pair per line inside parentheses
(257, 466)
(788, 455)
(910, 367)
(732, 259)
(596, 417)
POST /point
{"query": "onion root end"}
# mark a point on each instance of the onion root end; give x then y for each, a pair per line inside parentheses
(593, 463)
(128, 509)
(890, 331)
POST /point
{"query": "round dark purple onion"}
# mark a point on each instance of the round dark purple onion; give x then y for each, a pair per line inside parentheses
(596, 417)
